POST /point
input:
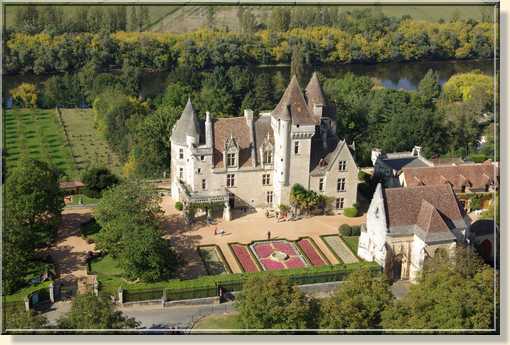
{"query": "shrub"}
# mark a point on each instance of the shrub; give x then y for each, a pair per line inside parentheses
(345, 230)
(355, 230)
(478, 157)
(351, 212)
(475, 202)
(363, 176)
(179, 206)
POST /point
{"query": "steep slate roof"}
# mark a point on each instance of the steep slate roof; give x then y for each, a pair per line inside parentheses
(293, 106)
(402, 162)
(475, 176)
(238, 128)
(313, 93)
(186, 125)
(428, 211)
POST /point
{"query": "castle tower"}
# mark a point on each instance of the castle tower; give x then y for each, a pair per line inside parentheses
(293, 128)
(183, 141)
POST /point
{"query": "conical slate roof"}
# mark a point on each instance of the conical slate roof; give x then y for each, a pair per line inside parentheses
(187, 125)
(313, 92)
(293, 106)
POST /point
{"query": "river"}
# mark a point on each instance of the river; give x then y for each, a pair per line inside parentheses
(393, 75)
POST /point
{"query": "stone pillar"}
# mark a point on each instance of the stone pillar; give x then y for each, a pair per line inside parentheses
(226, 212)
(120, 293)
(27, 303)
(51, 289)
(96, 287)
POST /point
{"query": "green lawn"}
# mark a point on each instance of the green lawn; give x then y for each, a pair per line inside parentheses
(88, 146)
(36, 134)
(229, 321)
(352, 243)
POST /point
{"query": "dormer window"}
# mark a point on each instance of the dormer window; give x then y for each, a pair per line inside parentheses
(268, 157)
(231, 160)
(231, 154)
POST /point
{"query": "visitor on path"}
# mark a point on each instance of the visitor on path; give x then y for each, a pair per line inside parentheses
(268, 235)
(222, 232)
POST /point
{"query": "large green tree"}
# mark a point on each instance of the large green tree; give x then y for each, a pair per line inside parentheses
(357, 303)
(92, 312)
(280, 306)
(456, 292)
(98, 179)
(21, 319)
(131, 202)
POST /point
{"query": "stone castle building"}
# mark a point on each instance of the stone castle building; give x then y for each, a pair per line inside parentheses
(405, 226)
(253, 161)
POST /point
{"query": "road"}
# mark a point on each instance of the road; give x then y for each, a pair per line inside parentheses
(155, 316)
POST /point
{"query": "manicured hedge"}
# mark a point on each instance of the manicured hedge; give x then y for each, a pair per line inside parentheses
(207, 286)
(351, 212)
(345, 230)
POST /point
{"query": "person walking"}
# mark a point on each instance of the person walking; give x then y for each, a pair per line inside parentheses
(268, 235)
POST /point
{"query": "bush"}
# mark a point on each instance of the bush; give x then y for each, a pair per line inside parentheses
(355, 230)
(351, 212)
(179, 206)
(96, 180)
(345, 230)
(478, 158)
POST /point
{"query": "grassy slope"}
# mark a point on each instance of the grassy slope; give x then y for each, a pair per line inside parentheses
(229, 321)
(35, 133)
(88, 146)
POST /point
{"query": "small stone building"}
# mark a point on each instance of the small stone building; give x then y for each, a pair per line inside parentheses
(405, 226)
(252, 161)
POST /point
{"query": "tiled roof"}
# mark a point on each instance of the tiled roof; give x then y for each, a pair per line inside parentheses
(406, 207)
(186, 125)
(293, 106)
(476, 176)
(71, 184)
(223, 128)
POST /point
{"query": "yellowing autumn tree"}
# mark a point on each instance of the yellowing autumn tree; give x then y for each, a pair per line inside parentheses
(25, 95)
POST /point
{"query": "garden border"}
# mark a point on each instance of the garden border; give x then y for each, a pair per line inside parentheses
(331, 249)
(251, 255)
(220, 253)
(316, 247)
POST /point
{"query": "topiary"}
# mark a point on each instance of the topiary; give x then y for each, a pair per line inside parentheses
(179, 206)
(351, 212)
(345, 230)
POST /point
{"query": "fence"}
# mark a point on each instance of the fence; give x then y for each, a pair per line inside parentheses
(211, 288)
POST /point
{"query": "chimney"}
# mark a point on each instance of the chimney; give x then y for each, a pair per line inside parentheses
(248, 115)
(375, 154)
(208, 130)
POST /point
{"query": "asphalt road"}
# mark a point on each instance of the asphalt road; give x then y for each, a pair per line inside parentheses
(179, 317)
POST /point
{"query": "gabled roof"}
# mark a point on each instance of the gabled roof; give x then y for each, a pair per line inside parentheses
(431, 212)
(292, 106)
(187, 125)
(476, 176)
(313, 92)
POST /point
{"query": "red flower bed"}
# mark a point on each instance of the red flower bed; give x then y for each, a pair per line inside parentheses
(263, 250)
(285, 247)
(310, 251)
(294, 262)
(244, 257)
(272, 265)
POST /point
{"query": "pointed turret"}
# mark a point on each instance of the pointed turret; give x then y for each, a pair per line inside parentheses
(293, 106)
(315, 97)
(186, 126)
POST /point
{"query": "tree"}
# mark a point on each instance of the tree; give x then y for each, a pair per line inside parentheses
(33, 200)
(131, 202)
(357, 302)
(460, 87)
(279, 85)
(92, 312)
(453, 293)
(263, 93)
(211, 11)
(145, 254)
(281, 306)
(296, 63)
(21, 319)
(280, 19)
(25, 95)
(96, 180)
(429, 88)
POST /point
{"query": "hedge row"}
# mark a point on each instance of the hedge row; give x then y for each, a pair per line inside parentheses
(207, 286)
